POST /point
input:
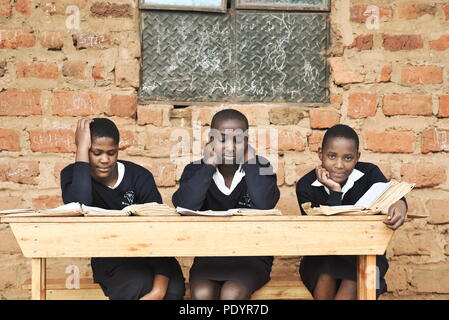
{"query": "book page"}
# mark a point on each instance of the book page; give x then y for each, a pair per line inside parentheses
(95, 211)
(188, 212)
(373, 193)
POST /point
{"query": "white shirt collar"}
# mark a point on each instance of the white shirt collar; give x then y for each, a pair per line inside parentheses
(121, 174)
(353, 177)
(220, 182)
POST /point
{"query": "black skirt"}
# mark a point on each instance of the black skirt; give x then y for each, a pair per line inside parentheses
(341, 268)
(252, 272)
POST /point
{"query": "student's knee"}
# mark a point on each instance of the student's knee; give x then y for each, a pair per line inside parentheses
(233, 290)
(325, 287)
(347, 290)
(203, 290)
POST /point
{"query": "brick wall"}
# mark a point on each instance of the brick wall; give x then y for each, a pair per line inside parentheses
(389, 80)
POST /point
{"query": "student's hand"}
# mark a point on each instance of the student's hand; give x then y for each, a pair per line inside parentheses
(396, 215)
(323, 176)
(210, 156)
(83, 139)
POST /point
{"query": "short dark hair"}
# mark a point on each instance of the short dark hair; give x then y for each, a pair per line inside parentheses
(228, 114)
(102, 127)
(343, 131)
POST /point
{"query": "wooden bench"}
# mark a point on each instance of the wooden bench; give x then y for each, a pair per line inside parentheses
(89, 290)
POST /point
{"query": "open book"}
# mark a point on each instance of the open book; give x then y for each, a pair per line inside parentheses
(379, 197)
(75, 209)
(230, 212)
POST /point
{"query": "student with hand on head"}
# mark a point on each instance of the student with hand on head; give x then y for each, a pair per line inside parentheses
(229, 176)
(341, 180)
(98, 179)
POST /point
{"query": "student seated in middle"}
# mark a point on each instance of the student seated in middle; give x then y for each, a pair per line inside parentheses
(229, 176)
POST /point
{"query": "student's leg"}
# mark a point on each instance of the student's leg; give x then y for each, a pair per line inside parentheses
(347, 290)
(129, 281)
(233, 290)
(325, 288)
(176, 286)
(205, 290)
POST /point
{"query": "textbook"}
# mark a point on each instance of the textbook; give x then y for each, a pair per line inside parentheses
(379, 197)
(75, 209)
(230, 212)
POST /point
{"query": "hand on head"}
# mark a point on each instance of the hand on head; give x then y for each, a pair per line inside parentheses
(83, 139)
(323, 176)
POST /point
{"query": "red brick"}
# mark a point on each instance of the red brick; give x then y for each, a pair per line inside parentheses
(342, 74)
(5, 8)
(16, 38)
(407, 104)
(443, 110)
(52, 39)
(363, 42)
(434, 140)
(115, 10)
(58, 168)
(256, 115)
(430, 279)
(127, 139)
(386, 170)
(446, 11)
(59, 7)
(150, 115)
(60, 141)
(158, 142)
(9, 140)
(25, 172)
(164, 172)
(76, 103)
(122, 105)
(74, 69)
(39, 70)
(362, 105)
(358, 13)
(441, 44)
(289, 139)
(336, 100)
(288, 205)
(87, 40)
(127, 73)
(422, 75)
(15, 102)
(410, 10)
(302, 169)
(402, 42)
(323, 118)
(24, 7)
(423, 174)
(98, 71)
(47, 202)
(315, 139)
(418, 242)
(285, 115)
(390, 141)
(385, 74)
(438, 211)
(280, 172)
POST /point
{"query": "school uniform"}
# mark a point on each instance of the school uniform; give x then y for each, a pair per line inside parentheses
(122, 278)
(202, 187)
(309, 189)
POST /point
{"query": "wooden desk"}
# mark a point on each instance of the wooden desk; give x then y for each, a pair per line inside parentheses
(69, 237)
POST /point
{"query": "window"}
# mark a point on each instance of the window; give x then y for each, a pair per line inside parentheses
(238, 56)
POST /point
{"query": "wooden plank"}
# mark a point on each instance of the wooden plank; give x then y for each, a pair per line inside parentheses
(366, 277)
(38, 279)
(208, 238)
(6, 219)
(76, 294)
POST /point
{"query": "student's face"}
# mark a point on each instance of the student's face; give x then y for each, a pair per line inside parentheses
(339, 157)
(103, 156)
(230, 140)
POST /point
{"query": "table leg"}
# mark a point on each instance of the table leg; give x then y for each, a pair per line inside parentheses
(366, 277)
(38, 279)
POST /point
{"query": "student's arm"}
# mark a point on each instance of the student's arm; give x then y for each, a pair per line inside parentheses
(261, 182)
(193, 186)
(303, 196)
(76, 184)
